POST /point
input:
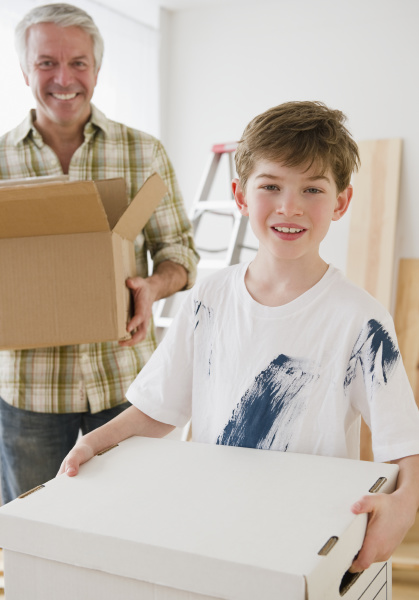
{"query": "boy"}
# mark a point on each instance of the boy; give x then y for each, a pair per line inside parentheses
(284, 353)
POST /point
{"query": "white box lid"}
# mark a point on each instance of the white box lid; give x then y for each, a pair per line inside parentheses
(229, 522)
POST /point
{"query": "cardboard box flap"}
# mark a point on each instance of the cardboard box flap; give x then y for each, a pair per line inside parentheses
(223, 521)
(51, 209)
(141, 208)
(113, 194)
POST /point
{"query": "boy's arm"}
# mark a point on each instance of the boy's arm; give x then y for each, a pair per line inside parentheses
(390, 516)
(127, 424)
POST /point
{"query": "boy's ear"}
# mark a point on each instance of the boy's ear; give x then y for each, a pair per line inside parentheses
(239, 197)
(342, 203)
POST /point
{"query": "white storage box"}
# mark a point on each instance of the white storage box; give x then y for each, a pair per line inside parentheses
(167, 520)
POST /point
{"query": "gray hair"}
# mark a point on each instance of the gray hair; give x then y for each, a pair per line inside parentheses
(64, 15)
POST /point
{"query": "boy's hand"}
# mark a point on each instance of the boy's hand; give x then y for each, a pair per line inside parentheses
(80, 454)
(388, 522)
(131, 421)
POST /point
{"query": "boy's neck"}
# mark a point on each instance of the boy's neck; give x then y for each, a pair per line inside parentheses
(277, 283)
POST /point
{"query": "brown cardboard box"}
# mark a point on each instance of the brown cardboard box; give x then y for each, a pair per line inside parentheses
(66, 250)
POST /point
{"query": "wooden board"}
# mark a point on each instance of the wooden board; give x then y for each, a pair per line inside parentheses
(406, 319)
(372, 230)
(373, 218)
(406, 557)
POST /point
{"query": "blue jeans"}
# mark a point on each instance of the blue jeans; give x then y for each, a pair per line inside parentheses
(33, 445)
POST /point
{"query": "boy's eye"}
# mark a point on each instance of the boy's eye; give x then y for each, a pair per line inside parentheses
(270, 187)
(313, 191)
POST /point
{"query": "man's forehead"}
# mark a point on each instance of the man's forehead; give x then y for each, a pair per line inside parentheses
(50, 34)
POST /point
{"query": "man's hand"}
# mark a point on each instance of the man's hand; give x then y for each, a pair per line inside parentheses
(167, 279)
(144, 296)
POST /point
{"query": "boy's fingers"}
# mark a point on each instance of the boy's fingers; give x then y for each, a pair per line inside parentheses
(379, 541)
(79, 455)
(367, 555)
(71, 468)
(364, 559)
(365, 505)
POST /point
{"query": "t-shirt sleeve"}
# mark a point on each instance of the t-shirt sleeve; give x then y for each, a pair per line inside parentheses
(380, 390)
(163, 388)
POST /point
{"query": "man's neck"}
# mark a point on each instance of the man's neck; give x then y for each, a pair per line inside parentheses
(63, 140)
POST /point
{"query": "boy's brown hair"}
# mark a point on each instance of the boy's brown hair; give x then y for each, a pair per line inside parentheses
(299, 134)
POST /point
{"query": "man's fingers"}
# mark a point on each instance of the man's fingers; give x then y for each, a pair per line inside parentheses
(137, 336)
(134, 282)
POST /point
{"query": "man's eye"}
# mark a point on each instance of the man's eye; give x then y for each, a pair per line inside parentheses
(80, 64)
(313, 191)
(45, 64)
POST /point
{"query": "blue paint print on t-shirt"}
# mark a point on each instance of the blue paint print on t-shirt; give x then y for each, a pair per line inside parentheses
(204, 317)
(272, 402)
(376, 353)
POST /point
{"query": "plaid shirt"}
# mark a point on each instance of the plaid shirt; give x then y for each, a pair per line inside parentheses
(72, 378)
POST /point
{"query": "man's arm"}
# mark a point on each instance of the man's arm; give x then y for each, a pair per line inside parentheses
(390, 516)
(127, 424)
(168, 278)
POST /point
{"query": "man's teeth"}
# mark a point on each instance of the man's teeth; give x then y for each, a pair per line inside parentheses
(288, 229)
(65, 96)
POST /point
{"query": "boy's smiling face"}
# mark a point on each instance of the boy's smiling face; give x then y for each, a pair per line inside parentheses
(290, 208)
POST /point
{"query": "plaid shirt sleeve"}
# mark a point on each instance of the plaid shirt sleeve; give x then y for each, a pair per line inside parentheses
(168, 232)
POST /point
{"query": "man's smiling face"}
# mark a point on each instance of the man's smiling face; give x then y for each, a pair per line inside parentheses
(61, 74)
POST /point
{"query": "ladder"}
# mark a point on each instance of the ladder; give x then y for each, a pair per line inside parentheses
(202, 205)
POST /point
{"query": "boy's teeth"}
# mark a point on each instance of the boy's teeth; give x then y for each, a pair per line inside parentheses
(64, 96)
(288, 229)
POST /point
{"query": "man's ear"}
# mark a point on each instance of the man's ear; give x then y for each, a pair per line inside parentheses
(96, 76)
(25, 77)
(239, 197)
(342, 203)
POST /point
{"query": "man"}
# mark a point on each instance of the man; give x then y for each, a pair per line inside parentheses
(47, 395)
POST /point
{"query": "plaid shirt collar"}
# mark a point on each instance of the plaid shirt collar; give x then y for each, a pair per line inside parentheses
(27, 128)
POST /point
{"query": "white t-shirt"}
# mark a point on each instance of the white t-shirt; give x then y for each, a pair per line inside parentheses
(295, 377)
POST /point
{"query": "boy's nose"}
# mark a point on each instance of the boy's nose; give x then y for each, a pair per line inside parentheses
(289, 205)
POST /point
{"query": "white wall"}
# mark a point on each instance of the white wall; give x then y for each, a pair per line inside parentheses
(224, 64)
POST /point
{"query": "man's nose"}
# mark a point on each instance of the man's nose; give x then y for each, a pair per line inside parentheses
(63, 75)
(289, 204)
